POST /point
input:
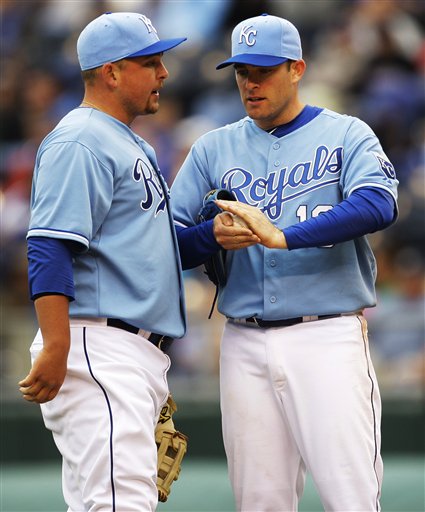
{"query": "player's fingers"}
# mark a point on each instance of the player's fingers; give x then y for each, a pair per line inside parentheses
(38, 394)
(32, 386)
(26, 381)
(226, 218)
(46, 396)
(30, 391)
(236, 234)
(28, 395)
(249, 214)
(241, 242)
(243, 245)
(233, 206)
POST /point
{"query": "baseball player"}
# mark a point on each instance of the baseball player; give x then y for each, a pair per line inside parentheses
(297, 385)
(100, 236)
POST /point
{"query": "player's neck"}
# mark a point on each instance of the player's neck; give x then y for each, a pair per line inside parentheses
(285, 117)
(89, 104)
(108, 108)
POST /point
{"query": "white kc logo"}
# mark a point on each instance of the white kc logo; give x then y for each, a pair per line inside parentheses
(148, 23)
(248, 34)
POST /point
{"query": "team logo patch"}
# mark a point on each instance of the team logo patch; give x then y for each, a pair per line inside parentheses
(153, 187)
(386, 166)
(248, 35)
(148, 23)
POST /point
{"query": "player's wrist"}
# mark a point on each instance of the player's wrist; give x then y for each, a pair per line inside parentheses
(275, 239)
(279, 239)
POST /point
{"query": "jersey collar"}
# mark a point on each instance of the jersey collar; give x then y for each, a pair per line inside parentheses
(307, 114)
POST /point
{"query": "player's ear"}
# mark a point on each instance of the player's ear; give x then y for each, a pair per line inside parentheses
(297, 69)
(110, 74)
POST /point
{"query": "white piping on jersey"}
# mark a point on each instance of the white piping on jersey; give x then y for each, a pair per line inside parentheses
(178, 223)
(374, 185)
(63, 235)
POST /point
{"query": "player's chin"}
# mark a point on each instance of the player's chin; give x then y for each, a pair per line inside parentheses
(153, 104)
(253, 109)
(152, 107)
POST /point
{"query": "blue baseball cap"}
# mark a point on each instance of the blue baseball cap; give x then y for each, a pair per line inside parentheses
(118, 35)
(264, 41)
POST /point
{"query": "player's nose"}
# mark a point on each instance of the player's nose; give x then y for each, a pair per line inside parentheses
(251, 82)
(163, 71)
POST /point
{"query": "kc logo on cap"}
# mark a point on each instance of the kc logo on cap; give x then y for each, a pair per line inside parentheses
(148, 23)
(247, 35)
(264, 41)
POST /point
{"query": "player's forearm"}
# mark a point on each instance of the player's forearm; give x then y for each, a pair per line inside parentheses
(48, 371)
(367, 210)
(196, 244)
(53, 318)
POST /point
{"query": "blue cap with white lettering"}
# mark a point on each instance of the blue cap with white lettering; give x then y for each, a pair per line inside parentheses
(119, 35)
(264, 41)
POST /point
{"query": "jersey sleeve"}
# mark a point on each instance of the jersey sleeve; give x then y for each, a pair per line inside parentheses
(190, 186)
(71, 193)
(365, 163)
(50, 267)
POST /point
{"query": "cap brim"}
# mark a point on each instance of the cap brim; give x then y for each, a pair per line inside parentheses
(253, 60)
(159, 47)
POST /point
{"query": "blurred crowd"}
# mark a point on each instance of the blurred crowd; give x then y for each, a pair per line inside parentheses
(364, 58)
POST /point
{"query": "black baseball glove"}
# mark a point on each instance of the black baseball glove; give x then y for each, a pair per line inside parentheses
(215, 266)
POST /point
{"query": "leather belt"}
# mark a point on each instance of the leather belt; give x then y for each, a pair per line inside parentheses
(258, 322)
(159, 340)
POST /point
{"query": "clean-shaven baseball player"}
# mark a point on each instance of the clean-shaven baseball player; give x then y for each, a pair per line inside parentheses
(105, 274)
(298, 388)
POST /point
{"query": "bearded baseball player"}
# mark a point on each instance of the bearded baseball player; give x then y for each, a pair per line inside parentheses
(105, 277)
(298, 389)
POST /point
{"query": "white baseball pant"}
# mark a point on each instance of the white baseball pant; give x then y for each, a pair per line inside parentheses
(301, 398)
(104, 416)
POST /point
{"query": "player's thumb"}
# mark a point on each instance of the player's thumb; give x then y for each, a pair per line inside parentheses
(226, 218)
(25, 382)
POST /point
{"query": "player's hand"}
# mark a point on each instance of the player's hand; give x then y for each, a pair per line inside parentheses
(233, 235)
(269, 235)
(46, 377)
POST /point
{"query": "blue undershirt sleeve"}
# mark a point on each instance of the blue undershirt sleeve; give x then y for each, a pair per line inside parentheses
(196, 244)
(367, 210)
(50, 267)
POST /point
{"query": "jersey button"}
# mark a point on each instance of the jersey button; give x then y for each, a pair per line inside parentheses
(273, 299)
(276, 145)
(277, 163)
(272, 263)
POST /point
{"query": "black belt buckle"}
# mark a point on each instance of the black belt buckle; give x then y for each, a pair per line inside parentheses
(161, 341)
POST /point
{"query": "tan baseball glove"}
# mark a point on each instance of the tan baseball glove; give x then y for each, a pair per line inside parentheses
(172, 446)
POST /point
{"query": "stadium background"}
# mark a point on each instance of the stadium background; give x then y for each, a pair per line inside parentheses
(364, 58)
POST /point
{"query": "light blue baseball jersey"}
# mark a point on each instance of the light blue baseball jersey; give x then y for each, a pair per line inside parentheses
(292, 178)
(97, 183)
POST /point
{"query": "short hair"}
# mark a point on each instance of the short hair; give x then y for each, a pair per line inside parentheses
(89, 75)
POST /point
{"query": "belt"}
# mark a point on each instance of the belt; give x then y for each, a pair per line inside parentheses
(258, 322)
(159, 340)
